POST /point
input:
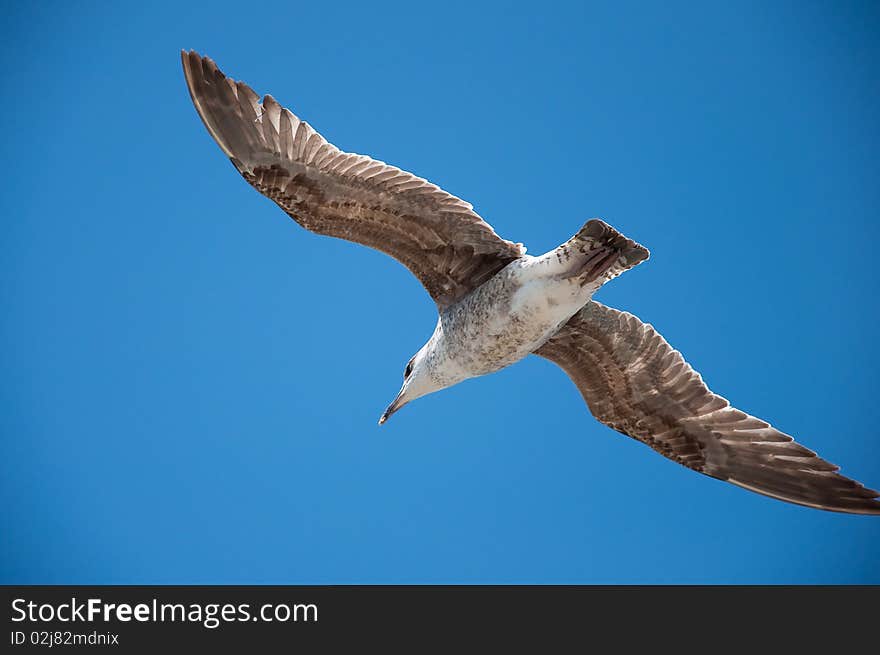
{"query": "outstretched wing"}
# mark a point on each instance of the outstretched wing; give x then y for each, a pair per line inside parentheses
(446, 245)
(634, 382)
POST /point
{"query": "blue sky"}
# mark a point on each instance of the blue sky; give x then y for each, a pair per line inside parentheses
(186, 399)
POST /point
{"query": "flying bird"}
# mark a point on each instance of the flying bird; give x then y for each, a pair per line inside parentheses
(497, 304)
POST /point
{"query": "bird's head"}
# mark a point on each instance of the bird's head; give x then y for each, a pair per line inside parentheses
(417, 382)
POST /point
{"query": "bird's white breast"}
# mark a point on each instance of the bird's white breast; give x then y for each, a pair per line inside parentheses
(502, 321)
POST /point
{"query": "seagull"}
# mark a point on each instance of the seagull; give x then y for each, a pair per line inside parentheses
(497, 304)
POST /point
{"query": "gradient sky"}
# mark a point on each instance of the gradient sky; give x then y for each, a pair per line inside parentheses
(191, 382)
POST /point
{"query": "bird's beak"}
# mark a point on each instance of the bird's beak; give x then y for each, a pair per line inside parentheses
(393, 407)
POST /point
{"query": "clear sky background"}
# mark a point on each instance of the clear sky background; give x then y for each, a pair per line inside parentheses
(191, 381)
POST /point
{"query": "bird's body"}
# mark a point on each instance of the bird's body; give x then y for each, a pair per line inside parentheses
(515, 312)
(504, 320)
(501, 322)
(497, 304)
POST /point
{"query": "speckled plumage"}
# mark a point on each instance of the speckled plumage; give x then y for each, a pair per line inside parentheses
(515, 312)
(496, 304)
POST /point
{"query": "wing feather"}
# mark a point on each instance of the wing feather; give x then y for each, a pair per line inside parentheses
(439, 237)
(636, 383)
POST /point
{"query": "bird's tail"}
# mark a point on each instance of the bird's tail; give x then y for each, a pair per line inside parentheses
(598, 253)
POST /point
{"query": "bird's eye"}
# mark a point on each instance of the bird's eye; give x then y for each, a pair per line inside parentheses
(409, 368)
